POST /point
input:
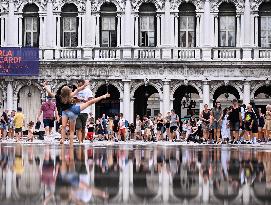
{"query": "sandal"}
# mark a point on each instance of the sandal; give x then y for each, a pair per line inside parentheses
(61, 141)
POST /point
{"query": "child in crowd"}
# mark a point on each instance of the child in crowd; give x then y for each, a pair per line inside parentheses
(30, 131)
(91, 128)
(225, 128)
(11, 124)
(18, 123)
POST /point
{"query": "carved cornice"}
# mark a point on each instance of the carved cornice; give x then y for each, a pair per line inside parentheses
(68, 71)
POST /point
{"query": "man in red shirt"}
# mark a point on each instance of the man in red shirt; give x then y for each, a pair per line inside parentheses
(49, 111)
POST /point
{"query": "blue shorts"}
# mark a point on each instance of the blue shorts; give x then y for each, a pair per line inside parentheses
(3, 126)
(72, 113)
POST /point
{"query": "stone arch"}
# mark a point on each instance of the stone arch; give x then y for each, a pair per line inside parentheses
(81, 5)
(176, 4)
(175, 87)
(255, 88)
(215, 87)
(156, 86)
(119, 4)
(27, 83)
(159, 5)
(29, 103)
(21, 6)
(238, 5)
(115, 84)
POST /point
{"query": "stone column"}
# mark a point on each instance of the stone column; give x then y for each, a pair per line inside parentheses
(206, 93)
(256, 30)
(58, 30)
(50, 26)
(238, 30)
(121, 105)
(198, 30)
(176, 29)
(247, 24)
(132, 104)
(9, 96)
(216, 29)
(166, 96)
(12, 26)
(43, 30)
(246, 94)
(206, 50)
(118, 29)
(20, 36)
(136, 28)
(3, 30)
(158, 16)
(97, 31)
(126, 99)
(79, 30)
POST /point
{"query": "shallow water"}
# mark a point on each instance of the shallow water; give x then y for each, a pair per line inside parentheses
(134, 174)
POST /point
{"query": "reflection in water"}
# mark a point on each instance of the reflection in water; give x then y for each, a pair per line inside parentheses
(31, 174)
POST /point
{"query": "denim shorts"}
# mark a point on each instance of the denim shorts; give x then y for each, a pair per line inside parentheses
(72, 113)
(3, 126)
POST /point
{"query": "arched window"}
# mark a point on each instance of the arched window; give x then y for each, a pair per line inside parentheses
(69, 26)
(265, 25)
(187, 25)
(108, 29)
(31, 25)
(147, 25)
(227, 25)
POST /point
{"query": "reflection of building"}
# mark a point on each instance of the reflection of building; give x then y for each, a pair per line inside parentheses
(215, 47)
(151, 175)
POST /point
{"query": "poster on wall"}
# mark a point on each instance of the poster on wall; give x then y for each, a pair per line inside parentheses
(16, 61)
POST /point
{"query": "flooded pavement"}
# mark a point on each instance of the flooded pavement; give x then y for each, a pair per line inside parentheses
(134, 174)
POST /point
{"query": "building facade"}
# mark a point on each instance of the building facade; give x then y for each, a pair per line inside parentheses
(151, 55)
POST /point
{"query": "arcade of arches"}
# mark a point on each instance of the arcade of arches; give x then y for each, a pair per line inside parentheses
(136, 98)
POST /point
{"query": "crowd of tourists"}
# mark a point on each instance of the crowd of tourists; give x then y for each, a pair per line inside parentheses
(70, 115)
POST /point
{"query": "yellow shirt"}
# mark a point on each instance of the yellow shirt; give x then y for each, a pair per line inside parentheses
(19, 120)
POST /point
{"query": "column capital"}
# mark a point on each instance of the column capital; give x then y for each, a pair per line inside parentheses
(246, 82)
(158, 15)
(166, 80)
(206, 82)
(126, 80)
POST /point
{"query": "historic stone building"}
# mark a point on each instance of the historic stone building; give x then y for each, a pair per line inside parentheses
(151, 55)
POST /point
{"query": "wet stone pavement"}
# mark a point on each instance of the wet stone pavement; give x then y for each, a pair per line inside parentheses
(134, 174)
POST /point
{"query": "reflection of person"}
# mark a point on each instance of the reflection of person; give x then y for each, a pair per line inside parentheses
(70, 186)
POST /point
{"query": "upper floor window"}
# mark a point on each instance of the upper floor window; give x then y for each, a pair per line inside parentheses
(147, 25)
(69, 26)
(265, 25)
(227, 25)
(187, 25)
(31, 25)
(108, 29)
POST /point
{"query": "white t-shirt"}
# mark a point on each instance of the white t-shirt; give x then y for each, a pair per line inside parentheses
(122, 123)
(84, 95)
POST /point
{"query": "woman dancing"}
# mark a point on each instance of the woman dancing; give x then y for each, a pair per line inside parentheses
(70, 111)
